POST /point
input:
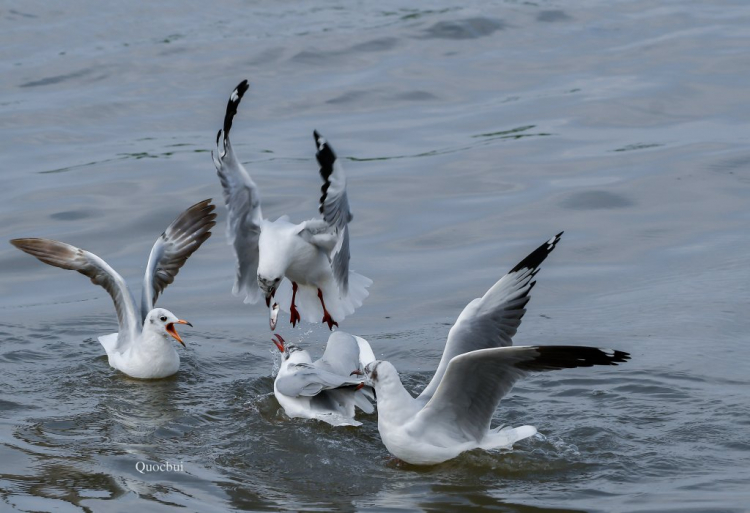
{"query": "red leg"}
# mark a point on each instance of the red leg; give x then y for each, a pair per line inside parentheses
(294, 317)
(326, 316)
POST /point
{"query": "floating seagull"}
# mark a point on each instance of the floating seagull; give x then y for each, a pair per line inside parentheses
(478, 368)
(324, 389)
(141, 348)
(313, 256)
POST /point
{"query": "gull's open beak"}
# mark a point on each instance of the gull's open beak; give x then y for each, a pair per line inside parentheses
(279, 343)
(172, 331)
(361, 385)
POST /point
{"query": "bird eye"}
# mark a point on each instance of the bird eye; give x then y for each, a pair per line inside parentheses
(163, 318)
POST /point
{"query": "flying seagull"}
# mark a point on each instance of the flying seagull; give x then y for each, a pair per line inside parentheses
(305, 265)
(478, 368)
(141, 348)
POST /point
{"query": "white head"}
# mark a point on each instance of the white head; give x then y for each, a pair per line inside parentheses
(290, 353)
(161, 322)
(381, 374)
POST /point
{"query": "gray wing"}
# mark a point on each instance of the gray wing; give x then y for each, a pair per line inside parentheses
(341, 355)
(242, 199)
(70, 257)
(493, 319)
(305, 379)
(474, 382)
(334, 206)
(342, 399)
(172, 249)
(345, 353)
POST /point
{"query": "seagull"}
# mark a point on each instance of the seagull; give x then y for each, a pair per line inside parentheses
(304, 265)
(141, 348)
(478, 368)
(324, 389)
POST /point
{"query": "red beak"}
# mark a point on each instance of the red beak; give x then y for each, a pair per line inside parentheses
(279, 343)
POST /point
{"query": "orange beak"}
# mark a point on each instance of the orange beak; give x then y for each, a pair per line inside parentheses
(172, 331)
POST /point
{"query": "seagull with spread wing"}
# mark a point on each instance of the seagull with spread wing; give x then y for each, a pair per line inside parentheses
(478, 368)
(141, 348)
(305, 265)
(324, 389)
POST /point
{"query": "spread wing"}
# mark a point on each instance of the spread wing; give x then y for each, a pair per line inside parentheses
(334, 206)
(492, 320)
(70, 257)
(474, 382)
(242, 199)
(172, 249)
(305, 379)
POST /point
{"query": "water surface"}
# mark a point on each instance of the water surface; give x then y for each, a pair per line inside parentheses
(471, 133)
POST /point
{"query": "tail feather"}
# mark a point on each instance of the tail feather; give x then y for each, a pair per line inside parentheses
(504, 437)
(109, 343)
(308, 304)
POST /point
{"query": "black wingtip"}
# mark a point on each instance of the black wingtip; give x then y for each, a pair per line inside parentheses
(326, 159)
(619, 357)
(571, 357)
(536, 257)
(325, 156)
(232, 104)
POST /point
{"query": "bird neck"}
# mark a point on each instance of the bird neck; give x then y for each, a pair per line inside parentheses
(152, 337)
(395, 403)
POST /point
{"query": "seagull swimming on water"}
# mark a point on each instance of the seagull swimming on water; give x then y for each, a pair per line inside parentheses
(324, 389)
(141, 348)
(478, 368)
(305, 265)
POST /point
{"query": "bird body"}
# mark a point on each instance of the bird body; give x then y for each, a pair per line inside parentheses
(289, 255)
(150, 355)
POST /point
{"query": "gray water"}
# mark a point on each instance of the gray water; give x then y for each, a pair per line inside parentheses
(471, 132)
